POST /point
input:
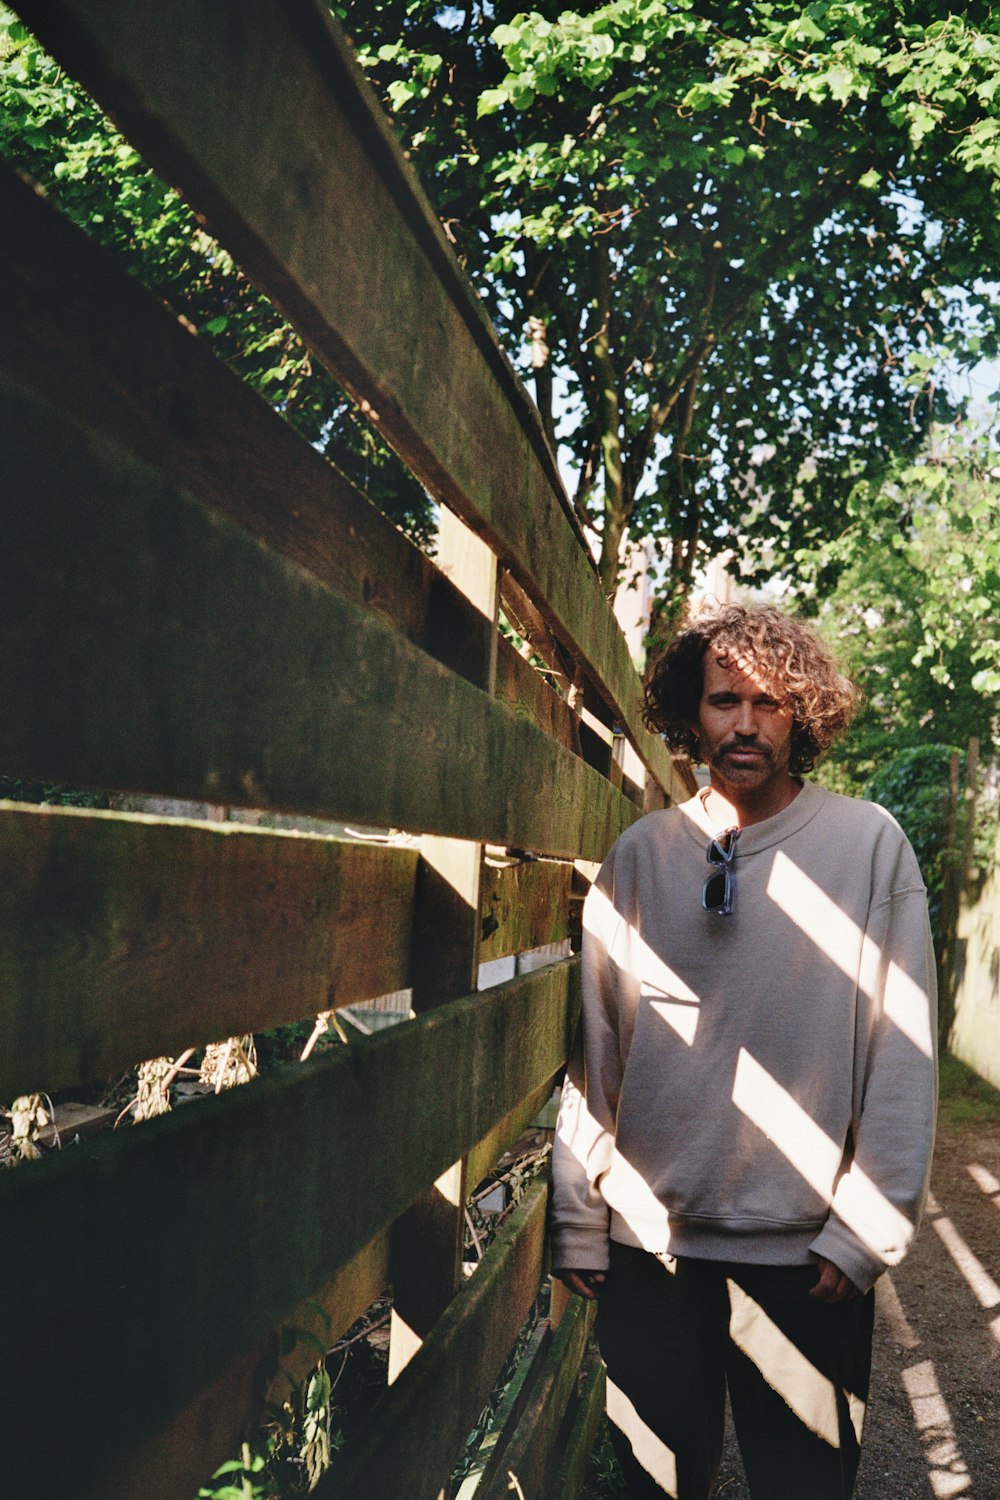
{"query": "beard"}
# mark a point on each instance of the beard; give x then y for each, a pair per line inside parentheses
(759, 769)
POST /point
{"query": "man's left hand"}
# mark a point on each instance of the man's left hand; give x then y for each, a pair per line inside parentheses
(833, 1285)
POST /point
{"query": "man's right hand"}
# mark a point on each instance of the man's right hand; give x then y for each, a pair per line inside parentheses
(584, 1283)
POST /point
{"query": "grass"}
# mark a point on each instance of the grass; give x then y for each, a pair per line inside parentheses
(966, 1098)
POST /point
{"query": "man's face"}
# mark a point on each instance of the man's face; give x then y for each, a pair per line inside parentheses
(744, 733)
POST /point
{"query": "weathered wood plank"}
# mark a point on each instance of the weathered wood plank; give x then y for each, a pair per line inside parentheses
(208, 1431)
(583, 1434)
(524, 905)
(149, 645)
(418, 1427)
(196, 1233)
(124, 937)
(88, 338)
(506, 1415)
(528, 694)
(527, 1453)
(427, 1240)
(403, 331)
(486, 1152)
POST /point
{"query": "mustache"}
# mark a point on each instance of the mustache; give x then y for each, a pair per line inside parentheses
(732, 745)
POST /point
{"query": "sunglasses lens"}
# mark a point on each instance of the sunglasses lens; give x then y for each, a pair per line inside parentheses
(715, 892)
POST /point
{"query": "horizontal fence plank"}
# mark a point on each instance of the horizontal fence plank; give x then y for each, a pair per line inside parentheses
(403, 331)
(209, 1430)
(417, 1428)
(486, 1152)
(583, 1434)
(526, 1457)
(508, 1410)
(194, 1234)
(523, 905)
(88, 338)
(526, 691)
(150, 645)
(124, 937)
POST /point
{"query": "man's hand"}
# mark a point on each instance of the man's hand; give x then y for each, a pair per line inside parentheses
(584, 1283)
(833, 1285)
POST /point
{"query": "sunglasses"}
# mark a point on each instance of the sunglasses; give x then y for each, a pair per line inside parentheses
(719, 890)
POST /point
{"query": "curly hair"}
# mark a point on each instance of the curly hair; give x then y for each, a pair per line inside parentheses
(790, 662)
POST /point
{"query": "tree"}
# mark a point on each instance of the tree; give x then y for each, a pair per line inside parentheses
(740, 236)
(910, 593)
(53, 131)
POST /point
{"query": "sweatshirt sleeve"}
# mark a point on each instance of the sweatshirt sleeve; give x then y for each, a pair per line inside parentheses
(880, 1194)
(585, 1130)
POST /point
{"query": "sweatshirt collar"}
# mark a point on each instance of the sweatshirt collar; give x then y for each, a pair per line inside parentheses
(761, 835)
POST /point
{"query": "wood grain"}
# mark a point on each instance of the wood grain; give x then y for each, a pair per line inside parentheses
(418, 1426)
(150, 645)
(267, 154)
(528, 1455)
(124, 937)
(193, 1235)
(589, 1413)
(523, 906)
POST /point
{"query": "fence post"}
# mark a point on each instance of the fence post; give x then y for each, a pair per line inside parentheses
(427, 1239)
(950, 887)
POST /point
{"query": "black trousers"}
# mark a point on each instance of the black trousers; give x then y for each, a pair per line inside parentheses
(675, 1334)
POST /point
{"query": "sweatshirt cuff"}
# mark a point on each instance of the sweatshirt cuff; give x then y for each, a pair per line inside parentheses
(578, 1248)
(836, 1242)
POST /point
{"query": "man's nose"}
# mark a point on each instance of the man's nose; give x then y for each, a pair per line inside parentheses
(746, 720)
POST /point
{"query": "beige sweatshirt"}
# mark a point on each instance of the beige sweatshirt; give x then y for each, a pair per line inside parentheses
(762, 1086)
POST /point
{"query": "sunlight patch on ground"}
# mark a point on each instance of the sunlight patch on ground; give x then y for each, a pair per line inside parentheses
(947, 1470)
(985, 1181)
(892, 1310)
(981, 1283)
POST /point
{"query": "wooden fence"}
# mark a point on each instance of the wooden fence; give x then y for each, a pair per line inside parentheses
(194, 604)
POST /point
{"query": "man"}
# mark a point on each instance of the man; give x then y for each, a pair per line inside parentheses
(744, 1138)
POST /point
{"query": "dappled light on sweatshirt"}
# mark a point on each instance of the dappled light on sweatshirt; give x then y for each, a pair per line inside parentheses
(838, 937)
(580, 1136)
(803, 1388)
(858, 1202)
(667, 993)
(651, 1452)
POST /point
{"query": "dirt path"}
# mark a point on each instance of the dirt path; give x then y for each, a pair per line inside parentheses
(933, 1426)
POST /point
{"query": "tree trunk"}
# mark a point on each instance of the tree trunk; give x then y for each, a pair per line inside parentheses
(616, 508)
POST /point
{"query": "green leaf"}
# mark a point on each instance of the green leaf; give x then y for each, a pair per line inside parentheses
(490, 100)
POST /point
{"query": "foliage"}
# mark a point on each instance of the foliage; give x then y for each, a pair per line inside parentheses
(965, 1096)
(909, 593)
(914, 787)
(604, 1475)
(52, 130)
(741, 236)
(49, 795)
